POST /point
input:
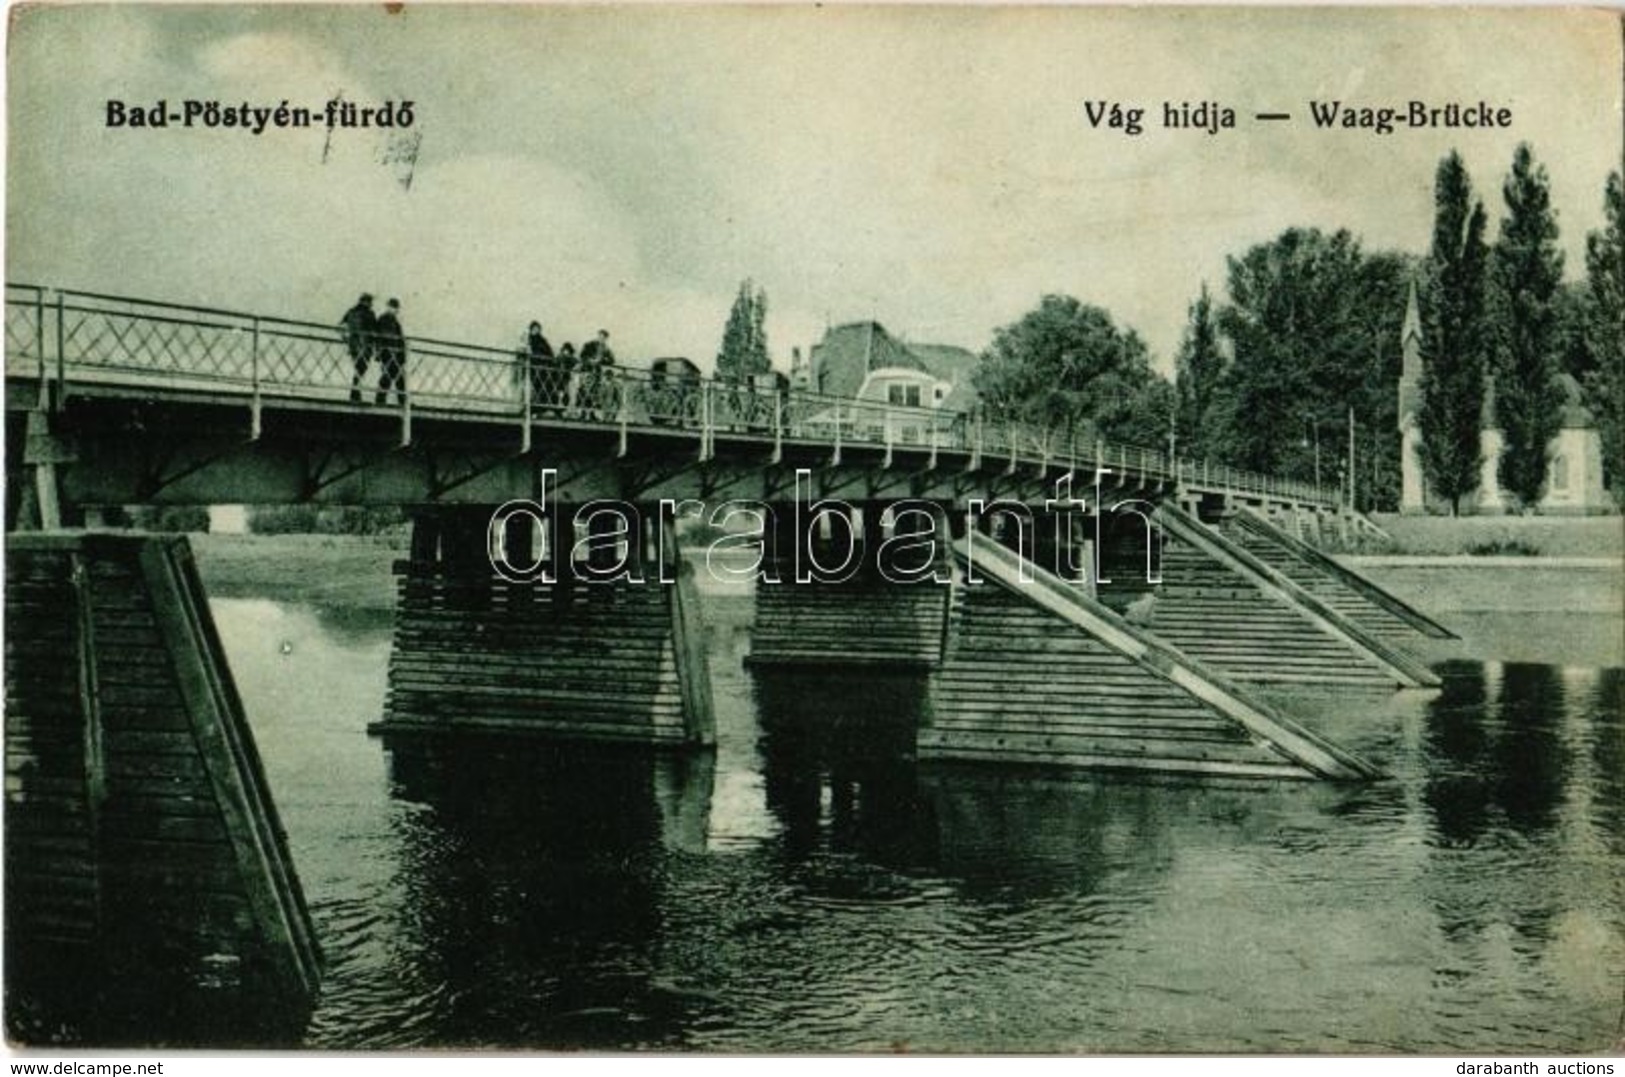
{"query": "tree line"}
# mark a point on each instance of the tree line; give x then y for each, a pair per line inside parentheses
(1499, 317)
(1301, 362)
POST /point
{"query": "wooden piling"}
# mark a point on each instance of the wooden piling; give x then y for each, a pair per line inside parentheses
(1038, 673)
(575, 658)
(143, 851)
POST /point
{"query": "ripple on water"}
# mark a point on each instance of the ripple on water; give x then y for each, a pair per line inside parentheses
(833, 895)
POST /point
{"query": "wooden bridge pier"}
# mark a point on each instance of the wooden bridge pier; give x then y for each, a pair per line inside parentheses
(1224, 604)
(604, 642)
(1037, 672)
(150, 895)
(855, 586)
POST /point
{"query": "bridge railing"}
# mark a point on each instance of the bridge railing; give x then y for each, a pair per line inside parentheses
(62, 337)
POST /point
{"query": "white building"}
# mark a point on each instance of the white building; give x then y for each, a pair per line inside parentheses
(1574, 469)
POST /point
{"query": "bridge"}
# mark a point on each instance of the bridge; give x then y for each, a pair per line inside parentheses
(1133, 623)
(115, 400)
(268, 412)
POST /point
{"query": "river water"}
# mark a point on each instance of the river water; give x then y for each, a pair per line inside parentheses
(809, 887)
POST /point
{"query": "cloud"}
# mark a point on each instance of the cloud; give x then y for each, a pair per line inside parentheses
(627, 168)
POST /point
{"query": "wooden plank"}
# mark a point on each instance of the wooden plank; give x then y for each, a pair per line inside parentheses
(181, 769)
(151, 741)
(656, 690)
(452, 708)
(1074, 760)
(1015, 721)
(131, 798)
(190, 788)
(164, 827)
(260, 861)
(1070, 606)
(674, 734)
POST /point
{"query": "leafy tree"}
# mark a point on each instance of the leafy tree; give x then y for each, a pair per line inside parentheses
(1300, 346)
(169, 517)
(305, 519)
(744, 337)
(1198, 370)
(1377, 315)
(758, 361)
(1313, 324)
(1527, 271)
(1452, 384)
(1604, 382)
(1066, 365)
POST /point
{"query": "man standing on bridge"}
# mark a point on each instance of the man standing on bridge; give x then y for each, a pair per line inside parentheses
(391, 353)
(360, 324)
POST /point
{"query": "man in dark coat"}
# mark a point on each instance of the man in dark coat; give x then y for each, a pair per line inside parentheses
(547, 381)
(596, 353)
(391, 353)
(360, 324)
(597, 380)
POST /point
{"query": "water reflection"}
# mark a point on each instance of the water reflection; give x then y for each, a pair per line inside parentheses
(1608, 757)
(836, 762)
(534, 872)
(817, 889)
(1494, 734)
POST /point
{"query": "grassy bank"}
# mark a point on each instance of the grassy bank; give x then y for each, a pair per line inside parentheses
(323, 570)
(1542, 536)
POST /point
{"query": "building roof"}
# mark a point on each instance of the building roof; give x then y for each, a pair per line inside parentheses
(849, 353)
(954, 365)
(846, 355)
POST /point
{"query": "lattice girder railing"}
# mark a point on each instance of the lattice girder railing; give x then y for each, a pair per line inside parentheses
(64, 336)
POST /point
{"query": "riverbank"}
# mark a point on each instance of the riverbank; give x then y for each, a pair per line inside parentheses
(1530, 536)
(1553, 609)
(1562, 610)
(316, 570)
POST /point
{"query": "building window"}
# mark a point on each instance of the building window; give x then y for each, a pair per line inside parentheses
(1560, 473)
(903, 395)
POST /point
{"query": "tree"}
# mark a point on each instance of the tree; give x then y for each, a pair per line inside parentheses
(1527, 272)
(1453, 339)
(1604, 382)
(169, 517)
(1198, 368)
(744, 337)
(1377, 317)
(1314, 329)
(1299, 322)
(1066, 365)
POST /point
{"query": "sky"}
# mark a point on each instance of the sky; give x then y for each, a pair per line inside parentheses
(626, 167)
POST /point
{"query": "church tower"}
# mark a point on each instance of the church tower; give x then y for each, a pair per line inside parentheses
(1412, 493)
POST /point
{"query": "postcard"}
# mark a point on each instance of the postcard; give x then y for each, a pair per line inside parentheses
(815, 528)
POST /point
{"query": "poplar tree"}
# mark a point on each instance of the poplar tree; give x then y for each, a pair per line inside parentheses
(1453, 337)
(744, 337)
(1605, 331)
(1527, 272)
(1199, 367)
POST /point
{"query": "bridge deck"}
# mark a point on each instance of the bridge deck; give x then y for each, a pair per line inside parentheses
(62, 343)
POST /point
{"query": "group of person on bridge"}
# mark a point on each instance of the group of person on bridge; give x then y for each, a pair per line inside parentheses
(563, 381)
(376, 336)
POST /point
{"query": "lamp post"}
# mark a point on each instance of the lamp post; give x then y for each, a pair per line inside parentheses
(1353, 501)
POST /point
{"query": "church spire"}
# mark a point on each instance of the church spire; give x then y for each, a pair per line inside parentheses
(1410, 369)
(1413, 319)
